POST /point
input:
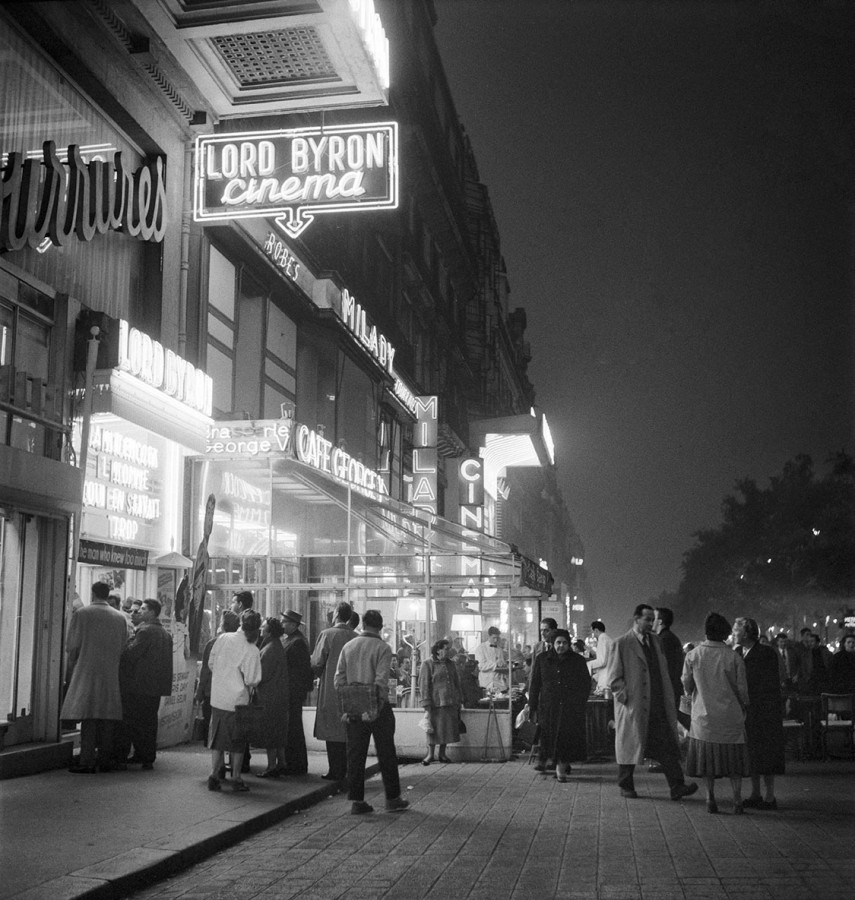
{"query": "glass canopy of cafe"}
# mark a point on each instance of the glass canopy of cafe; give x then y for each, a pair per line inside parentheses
(301, 540)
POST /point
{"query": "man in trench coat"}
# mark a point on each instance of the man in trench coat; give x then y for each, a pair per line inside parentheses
(645, 715)
(96, 637)
(328, 724)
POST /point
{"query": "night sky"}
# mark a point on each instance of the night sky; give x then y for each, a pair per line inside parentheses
(668, 181)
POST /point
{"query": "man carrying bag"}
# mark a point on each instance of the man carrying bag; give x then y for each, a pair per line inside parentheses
(362, 681)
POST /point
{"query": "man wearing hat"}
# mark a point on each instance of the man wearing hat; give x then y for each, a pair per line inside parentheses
(300, 680)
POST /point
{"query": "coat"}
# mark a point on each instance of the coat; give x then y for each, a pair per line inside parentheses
(629, 679)
(764, 719)
(146, 664)
(715, 677)
(273, 693)
(328, 724)
(439, 685)
(300, 677)
(560, 686)
(96, 638)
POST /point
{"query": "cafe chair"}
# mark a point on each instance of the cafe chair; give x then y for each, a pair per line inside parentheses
(838, 717)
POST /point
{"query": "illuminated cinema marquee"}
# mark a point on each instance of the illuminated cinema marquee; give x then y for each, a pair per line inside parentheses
(293, 175)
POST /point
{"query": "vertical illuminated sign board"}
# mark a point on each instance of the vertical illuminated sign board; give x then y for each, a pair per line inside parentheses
(425, 457)
(470, 484)
(292, 175)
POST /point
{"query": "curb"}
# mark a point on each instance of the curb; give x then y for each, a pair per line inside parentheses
(141, 867)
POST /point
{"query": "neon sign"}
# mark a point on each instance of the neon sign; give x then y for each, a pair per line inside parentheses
(147, 360)
(288, 173)
(320, 454)
(471, 493)
(248, 438)
(424, 491)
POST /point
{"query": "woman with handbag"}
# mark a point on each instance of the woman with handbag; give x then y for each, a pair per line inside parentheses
(235, 668)
(442, 698)
(715, 677)
(273, 694)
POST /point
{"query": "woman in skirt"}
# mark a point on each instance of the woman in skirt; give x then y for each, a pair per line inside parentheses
(715, 678)
(442, 698)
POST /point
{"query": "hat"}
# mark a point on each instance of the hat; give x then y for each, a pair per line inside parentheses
(292, 616)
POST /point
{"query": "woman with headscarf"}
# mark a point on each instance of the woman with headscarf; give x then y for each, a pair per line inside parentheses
(560, 686)
(715, 678)
(764, 721)
(235, 668)
(273, 694)
(442, 698)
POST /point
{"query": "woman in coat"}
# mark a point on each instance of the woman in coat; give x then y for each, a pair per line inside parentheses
(842, 677)
(273, 693)
(715, 677)
(560, 686)
(442, 698)
(764, 721)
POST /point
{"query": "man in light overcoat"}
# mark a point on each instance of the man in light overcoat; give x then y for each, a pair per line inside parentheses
(645, 714)
(96, 637)
(328, 724)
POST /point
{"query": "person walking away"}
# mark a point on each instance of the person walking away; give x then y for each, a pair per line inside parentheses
(145, 675)
(273, 693)
(235, 668)
(764, 718)
(300, 681)
(328, 724)
(442, 699)
(560, 687)
(366, 660)
(715, 677)
(96, 638)
(645, 716)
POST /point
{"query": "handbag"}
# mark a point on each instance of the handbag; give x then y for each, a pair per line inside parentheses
(461, 725)
(250, 719)
(358, 701)
(527, 733)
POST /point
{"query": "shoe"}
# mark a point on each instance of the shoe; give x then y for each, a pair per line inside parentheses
(539, 767)
(147, 767)
(214, 784)
(766, 804)
(753, 802)
(269, 773)
(739, 809)
(629, 795)
(398, 804)
(222, 773)
(82, 770)
(655, 767)
(360, 808)
(683, 790)
(712, 807)
(427, 760)
(561, 778)
(330, 777)
(445, 759)
(240, 787)
(133, 760)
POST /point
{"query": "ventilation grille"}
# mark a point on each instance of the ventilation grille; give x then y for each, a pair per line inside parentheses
(276, 57)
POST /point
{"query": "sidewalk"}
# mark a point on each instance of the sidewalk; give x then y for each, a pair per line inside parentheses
(478, 831)
(66, 836)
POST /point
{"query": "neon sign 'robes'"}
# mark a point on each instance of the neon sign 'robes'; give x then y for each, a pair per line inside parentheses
(287, 174)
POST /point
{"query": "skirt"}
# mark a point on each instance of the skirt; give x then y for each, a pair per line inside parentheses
(445, 730)
(221, 735)
(711, 760)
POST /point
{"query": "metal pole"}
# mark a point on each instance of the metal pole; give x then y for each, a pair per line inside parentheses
(86, 413)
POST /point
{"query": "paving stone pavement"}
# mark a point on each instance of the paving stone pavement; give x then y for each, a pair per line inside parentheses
(504, 832)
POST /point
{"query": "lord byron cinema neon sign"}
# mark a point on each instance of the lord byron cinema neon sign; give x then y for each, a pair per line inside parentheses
(294, 174)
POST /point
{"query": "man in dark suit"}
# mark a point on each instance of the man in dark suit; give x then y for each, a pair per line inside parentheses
(789, 670)
(300, 681)
(672, 647)
(145, 675)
